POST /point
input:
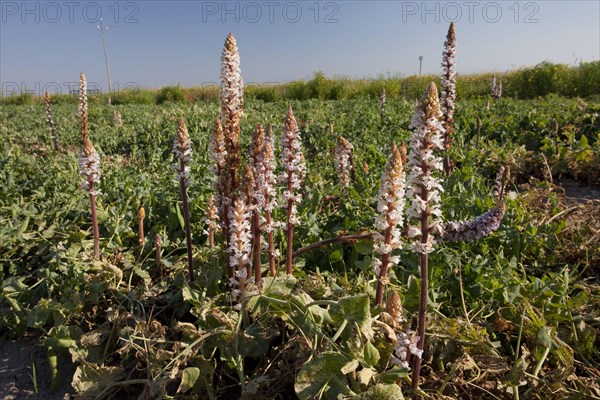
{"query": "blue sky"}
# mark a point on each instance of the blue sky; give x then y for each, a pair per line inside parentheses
(156, 43)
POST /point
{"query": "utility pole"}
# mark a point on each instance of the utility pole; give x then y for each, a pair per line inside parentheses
(102, 28)
(420, 64)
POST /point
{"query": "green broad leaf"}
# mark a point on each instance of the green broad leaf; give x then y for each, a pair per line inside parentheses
(188, 379)
(143, 274)
(392, 375)
(363, 247)
(354, 310)
(180, 217)
(191, 295)
(379, 392)
(89, 380)
(371, 354)
(365, 375)
(544, 337)
(322, 377)
(350, 367)
(336, 256)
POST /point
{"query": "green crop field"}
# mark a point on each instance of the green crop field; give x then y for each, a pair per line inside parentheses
(511, 314)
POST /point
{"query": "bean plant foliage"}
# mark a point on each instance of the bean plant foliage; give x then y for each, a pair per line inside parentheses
(514, 314)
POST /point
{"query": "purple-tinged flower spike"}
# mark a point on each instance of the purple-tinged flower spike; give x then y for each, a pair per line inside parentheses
(382, 99)
(448, 93)
(294, 170)
(182, 148)
(270, 196)
(240, 246)
(390, 205)
(424, 189)
(344, 162)
(232, 102)
(496, 88)
(50, 121)
(483, 225)
(82, 109)
(476, 228)
(89, 168)
(212, 220)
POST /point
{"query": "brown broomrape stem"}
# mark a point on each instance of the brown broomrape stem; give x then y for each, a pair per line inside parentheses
(188, 229)
(141, 216)
(158, 245)
(290, 228)
(94, 221)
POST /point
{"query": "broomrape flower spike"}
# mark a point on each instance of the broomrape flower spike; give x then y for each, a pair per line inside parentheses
(232, 102)
(382, 99)
(50, 121)
(117, 119)
(240, 247)
(270, 195)
(212, 220)
(89, 168)
(344, 162)
(82, 110)
(496, 89)
(260, 192)
(294, 170)
(220, 184)
(182, 148)
(448, 92)
(390, 205)
(483, 225)
(424, 188)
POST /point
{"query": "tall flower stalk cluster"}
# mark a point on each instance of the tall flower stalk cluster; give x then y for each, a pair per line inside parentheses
(496, 89)
(262, 165)
(390, 205)
(344, 162)
(382, 99)
(89, 161)
(50, 121)
(294, 171)
(182, 148)
(448, 93)
(424, 188)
